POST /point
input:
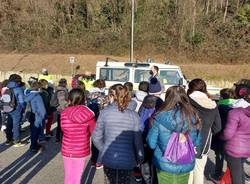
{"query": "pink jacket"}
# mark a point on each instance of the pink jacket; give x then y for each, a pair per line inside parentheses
(237, 133)
(77, 124)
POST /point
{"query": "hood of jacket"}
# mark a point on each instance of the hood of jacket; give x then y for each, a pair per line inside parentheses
(228, 102)
(241, 103)
(247, 111)
(140, 95)
(60, 88)
(97, 90)
(30, 95)
(79, 113)
(12, 85)
(203, 100)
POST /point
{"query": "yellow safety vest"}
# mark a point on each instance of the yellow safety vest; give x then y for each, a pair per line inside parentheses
(48, 78)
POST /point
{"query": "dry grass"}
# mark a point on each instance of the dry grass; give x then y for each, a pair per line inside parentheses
(215, 74)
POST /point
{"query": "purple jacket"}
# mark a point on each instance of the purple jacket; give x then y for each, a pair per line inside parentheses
(237, 133)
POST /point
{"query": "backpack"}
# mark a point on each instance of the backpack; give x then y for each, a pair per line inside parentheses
(61, 96)
(8, 101)
(180, 149)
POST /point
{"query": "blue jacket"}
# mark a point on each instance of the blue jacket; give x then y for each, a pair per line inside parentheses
(19, 94)
(118, 138)
(158, 137)
(37, 106)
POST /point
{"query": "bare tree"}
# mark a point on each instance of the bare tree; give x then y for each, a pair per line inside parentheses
(225, 12)
(207, 6)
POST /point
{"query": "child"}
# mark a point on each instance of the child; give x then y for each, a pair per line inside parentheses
(60, 102)
(78, 123)
(46, 94)
(225, 105)
(37, 116)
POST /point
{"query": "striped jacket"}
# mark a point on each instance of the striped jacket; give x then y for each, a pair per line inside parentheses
(77, 124)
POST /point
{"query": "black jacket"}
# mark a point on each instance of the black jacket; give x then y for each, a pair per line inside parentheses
(210, 119)
(217, 142)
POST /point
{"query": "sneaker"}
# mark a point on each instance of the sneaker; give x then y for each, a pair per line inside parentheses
(3, 128)
(98, 166)
(19, 144)
(8, 143)
(138, 176)
(247, 178)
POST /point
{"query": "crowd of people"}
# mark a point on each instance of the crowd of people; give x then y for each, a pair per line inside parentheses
(133, 133)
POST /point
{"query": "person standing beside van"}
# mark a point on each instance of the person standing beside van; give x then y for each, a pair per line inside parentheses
(154, 72)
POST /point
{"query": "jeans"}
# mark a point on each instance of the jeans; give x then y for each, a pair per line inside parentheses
(34, 132)
(94, 153)
(9, 127)
(236, 169)
(58, 128)
(16, 117)
(219, 159)
(42, 135)
(49, 123)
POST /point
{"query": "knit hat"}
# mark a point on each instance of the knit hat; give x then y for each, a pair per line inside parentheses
(154, 86)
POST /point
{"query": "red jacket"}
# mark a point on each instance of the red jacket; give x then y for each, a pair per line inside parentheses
(77, 124)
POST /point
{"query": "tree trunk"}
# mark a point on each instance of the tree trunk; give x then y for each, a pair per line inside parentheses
(225, 13)
(221, 4)
(194, 17)
(207, 6)
(215, 5)
(237, 6)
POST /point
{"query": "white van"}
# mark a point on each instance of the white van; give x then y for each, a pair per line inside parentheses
(121, 72)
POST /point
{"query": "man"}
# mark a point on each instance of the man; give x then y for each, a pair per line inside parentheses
(154, 72)
(45, 75)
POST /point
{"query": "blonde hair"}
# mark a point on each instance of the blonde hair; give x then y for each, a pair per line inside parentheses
(121, 96)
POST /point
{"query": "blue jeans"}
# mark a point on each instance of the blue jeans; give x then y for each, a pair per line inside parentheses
(16, 117)
(34, 132)
(42, 135)
(9, 127)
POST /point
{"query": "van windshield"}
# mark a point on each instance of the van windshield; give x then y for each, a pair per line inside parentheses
(114, 74)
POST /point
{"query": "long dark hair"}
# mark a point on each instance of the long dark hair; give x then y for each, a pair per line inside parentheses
(177, 99)
(197, 85)
(76, 97)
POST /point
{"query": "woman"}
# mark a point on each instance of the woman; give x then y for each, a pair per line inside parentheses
(237, 137)
(118, 138)
(175, 115)
(211, 124)
(77, 123)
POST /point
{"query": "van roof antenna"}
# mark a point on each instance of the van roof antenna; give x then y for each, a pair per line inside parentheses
(107, 60)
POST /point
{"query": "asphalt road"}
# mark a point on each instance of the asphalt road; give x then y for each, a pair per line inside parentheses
(18, 165)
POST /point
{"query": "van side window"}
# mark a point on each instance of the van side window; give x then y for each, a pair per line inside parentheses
(141, 75)
(114, 74)
(170, 77)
